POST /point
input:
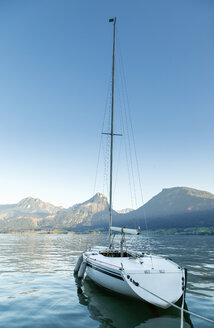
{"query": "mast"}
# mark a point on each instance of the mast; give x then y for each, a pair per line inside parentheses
(112, 128)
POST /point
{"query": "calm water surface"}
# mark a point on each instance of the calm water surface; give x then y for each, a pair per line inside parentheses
(38, 289)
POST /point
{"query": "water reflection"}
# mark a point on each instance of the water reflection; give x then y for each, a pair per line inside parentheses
(113, 310)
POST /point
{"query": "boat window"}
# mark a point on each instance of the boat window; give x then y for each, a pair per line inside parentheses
(115, 254)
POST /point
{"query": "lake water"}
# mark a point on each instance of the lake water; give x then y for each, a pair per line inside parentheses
(38, 289)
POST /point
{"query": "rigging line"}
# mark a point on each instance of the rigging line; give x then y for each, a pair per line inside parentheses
(127, 154)
(182, 311)
(137, 163)
(116, 161)
(126, 148)
(104, 170)
(122, 78)
(134, 145)
(101, 139)
(117, 169)
(106, 147)
(98, 160)
(174, 305)
(131, 160)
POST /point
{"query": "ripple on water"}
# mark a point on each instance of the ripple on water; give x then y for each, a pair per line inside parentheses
(38, 289)
(211, 266)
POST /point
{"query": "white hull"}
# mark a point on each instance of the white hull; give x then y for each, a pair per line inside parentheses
(150, 278)
(110, 279)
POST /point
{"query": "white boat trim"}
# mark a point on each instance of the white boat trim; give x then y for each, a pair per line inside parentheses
(126, 230)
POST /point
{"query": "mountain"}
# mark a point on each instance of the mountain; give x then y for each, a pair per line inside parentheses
(92, 213)
(173, 208)
(35, 205)
(25, 215)
(34, 214)
(28, 206)
(179, 200)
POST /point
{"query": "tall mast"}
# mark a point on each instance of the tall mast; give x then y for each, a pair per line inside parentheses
(112, 127)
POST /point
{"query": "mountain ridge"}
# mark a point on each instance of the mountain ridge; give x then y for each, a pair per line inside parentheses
(177, 207)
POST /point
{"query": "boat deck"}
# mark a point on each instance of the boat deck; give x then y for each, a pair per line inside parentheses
(147, 263)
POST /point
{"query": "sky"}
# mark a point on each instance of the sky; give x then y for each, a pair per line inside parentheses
(54, 78)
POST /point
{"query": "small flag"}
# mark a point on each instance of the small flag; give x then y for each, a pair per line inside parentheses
(111, 20)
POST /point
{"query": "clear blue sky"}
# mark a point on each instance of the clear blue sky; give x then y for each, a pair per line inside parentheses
(55, 63)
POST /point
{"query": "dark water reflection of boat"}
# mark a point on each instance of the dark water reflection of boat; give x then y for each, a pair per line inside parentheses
(113, 310)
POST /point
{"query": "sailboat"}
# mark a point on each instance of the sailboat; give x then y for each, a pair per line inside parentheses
(143, 276)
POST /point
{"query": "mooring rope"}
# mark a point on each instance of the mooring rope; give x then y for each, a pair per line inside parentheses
(176, 306)
(182, 310)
